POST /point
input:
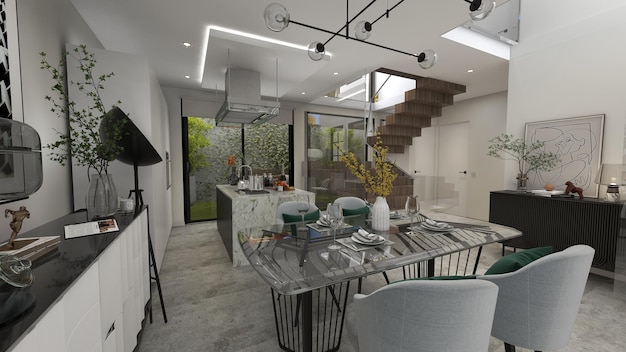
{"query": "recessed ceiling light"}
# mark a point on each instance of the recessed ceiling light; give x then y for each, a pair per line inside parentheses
(187, 76)
(186, 44)
(335, 73)
(470, 70)
(303, 93)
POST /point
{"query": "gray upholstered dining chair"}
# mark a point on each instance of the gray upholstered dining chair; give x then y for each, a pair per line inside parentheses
(538, 303)
(425, 315)
(352, 205)
(293, 211)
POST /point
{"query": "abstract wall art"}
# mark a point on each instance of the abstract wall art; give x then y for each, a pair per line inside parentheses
(578, 143)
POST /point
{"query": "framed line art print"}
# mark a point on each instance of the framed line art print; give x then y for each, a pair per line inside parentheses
(578, 143)
(10, 77)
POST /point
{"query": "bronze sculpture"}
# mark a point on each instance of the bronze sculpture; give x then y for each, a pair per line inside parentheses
(16, 223)
(571, 188)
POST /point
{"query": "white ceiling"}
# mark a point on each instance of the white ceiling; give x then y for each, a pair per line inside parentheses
(156, 29)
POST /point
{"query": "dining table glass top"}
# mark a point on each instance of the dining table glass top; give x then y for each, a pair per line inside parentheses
(294, 258)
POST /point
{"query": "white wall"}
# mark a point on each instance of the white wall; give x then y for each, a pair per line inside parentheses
(136, 86)
(569, 63)
(45, 26)
(487, 119)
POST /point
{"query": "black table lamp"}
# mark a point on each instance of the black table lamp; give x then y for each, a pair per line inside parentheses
(137, 150)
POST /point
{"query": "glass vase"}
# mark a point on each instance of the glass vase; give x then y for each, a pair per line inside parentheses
(380, 214)
(522, 182)
(102, 199)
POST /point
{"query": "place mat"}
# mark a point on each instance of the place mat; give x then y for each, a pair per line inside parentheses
(319, 228)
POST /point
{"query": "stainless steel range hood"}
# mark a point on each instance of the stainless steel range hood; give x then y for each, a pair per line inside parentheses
(243, 102)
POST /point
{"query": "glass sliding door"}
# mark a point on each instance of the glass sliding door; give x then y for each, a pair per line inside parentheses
(207, 150)
(327, 137)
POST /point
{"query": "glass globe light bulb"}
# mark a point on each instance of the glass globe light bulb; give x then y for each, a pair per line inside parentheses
(316, 51)
(276, 17)
(427, 59)
(363, 30)
(479, 10)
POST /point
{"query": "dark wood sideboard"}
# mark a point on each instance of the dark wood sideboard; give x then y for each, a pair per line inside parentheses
(560, 223)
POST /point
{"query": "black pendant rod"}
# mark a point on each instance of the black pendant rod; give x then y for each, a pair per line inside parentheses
(345, 26)
(348, 37)
(387, 12)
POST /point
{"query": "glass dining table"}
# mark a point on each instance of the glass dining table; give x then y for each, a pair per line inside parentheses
(310, 283)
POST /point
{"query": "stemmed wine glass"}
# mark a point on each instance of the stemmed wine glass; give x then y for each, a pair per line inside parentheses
(335, 216)
(411, 212)
(302, 208)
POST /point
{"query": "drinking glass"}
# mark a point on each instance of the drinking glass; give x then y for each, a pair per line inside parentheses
(335, 216)
(302, 208)
(411, 213)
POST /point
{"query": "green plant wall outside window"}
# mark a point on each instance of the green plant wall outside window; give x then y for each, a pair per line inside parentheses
(198, 139)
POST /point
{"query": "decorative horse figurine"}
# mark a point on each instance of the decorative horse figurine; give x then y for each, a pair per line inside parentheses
(573, 189)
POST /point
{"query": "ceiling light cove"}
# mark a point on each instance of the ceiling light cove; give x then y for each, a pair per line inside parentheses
(229, 33)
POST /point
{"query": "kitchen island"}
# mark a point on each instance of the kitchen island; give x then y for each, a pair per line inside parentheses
(237, 210)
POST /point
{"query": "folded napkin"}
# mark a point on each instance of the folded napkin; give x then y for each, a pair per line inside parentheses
(441, 225)
(365, 236)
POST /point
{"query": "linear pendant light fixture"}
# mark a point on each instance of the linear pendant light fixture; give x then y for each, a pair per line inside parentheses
(277, 18)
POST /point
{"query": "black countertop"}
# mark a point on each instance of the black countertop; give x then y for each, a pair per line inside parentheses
(56, 271)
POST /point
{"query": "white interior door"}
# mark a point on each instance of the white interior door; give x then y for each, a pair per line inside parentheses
(451, 168)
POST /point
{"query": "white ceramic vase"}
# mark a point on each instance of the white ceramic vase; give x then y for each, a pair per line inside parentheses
(380, 214)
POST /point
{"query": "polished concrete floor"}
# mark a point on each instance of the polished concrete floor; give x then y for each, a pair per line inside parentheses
(214, 307)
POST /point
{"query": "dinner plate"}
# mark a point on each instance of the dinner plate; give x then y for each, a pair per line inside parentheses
(435, 228)
(381, 240)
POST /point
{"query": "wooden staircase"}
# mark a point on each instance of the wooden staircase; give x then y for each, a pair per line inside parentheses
(419, 107)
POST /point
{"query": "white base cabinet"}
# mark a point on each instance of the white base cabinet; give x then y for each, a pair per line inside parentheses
(104, 308)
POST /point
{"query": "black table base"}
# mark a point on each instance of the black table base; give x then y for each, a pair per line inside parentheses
(312, 317)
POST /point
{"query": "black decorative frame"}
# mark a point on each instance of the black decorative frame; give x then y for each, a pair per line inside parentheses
(10, 78)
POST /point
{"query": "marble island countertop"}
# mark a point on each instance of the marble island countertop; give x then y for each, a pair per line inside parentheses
(233, 193)
(238, 210)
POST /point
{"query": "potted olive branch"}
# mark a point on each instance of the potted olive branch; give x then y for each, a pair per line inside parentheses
(529, 157)
(82, 144)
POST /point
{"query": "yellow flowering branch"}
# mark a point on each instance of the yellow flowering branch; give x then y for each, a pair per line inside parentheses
(381, 182)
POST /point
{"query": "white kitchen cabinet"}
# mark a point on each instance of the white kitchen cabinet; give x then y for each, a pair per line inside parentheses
(103, 309)
(81, 312)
